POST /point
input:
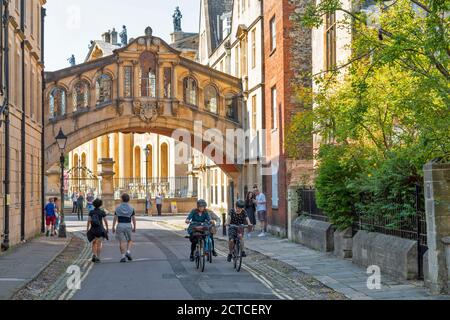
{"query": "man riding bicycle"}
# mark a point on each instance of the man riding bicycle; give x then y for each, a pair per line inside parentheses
(237, 217)
(196, 216)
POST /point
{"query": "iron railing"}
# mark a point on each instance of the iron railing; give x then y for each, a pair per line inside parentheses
(400, 219)
(307, 204)
(172, 187)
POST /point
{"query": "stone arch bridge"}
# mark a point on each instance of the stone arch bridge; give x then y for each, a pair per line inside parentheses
(146, 86)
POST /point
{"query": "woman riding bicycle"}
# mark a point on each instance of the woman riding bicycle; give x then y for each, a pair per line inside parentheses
(237, 217)
(196, 216)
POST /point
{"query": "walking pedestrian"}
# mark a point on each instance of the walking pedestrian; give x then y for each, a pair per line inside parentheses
(75, 202)
(125, 219)
(50, 218)
(261, 209)
(97, 229)
(80, 204)
(250, 207)
(159, 203)
(57, 214)
(90, 200)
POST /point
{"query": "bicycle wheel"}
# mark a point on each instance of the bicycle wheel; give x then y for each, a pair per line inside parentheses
(239, 259)
(210, 250)
(197, 256)
(236, 253)
(202, 257)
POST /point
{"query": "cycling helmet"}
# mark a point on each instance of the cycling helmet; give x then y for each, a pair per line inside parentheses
(240, 204)
(201, 203)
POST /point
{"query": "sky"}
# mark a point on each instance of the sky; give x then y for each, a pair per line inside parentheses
(70, 25)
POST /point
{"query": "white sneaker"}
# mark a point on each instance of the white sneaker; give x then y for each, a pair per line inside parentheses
(262, 234)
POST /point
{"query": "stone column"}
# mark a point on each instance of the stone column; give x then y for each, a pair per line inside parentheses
(437, 205)
(116, 154)
(94, 159)
(292, 209)
(53, 182)
(106, 172)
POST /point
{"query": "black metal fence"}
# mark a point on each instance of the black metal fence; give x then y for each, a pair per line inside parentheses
(172, 187)
(307, 205)
(407, 221)
(401, 220)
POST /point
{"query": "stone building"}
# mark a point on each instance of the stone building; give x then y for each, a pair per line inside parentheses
(128, 150)
(231, 42)
(21, 107)
(145, 88)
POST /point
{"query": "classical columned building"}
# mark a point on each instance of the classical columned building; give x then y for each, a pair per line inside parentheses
(21, 120)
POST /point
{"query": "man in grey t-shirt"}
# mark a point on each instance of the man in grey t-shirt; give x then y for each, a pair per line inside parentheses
(261, 209)
(125, 218)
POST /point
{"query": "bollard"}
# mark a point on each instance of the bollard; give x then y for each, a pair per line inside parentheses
(224, 228)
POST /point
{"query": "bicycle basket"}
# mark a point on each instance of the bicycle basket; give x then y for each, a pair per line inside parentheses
(201, 228)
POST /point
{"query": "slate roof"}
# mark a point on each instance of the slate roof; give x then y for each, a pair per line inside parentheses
(217, 8)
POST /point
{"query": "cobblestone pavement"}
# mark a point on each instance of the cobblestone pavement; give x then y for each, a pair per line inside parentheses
(51, 283)
(340, 275)
(286, 281)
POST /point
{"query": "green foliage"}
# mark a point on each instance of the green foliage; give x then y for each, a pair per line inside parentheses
(338, 168)
(387, 188)
(382, 114)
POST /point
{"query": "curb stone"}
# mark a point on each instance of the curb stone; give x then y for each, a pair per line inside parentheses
(46, 265)
(59, 290)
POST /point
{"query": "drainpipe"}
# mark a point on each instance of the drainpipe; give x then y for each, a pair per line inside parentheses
(5, 111)
(43, 14)
(263, 82)
(22, 129)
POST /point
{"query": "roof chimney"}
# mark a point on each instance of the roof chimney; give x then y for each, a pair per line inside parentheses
(107, 36)
(114, 37)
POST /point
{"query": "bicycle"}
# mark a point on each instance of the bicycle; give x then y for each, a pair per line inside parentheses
(201, 231)
(209, 242)
(237, 250)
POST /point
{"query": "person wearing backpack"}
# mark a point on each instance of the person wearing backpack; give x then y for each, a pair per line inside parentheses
(97, 229)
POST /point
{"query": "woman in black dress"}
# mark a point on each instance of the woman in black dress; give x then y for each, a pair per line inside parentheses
(250, 207)
(97, 229)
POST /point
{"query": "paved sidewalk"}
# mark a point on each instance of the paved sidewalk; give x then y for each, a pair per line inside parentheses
(341, 275)
(26, 261)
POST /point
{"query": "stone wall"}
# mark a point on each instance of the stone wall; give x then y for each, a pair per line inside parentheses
(395, 256)
(318, 235)
(343, 243)
(184, 206)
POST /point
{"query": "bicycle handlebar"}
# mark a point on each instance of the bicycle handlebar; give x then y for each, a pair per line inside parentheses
(239, 226)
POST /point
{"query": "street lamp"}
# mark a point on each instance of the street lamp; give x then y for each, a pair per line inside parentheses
(61, 140)
(147, 154)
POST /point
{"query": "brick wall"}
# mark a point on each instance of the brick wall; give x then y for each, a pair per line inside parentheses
(285, 67)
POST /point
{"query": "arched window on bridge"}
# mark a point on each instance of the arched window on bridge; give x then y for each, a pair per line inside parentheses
(104, 89)
(190, 91)
(148, 83)
(211, 99)
(148, 71)
(231, 104)
(57, 102)
(80, 95)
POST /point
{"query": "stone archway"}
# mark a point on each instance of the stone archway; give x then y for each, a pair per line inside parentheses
(121, 104)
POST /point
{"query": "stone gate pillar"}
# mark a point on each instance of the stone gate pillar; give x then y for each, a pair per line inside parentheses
(53, 182)
(437, 205)
(293, 206)
(106, 172)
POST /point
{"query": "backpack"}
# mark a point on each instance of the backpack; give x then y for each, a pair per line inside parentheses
(96, 220)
